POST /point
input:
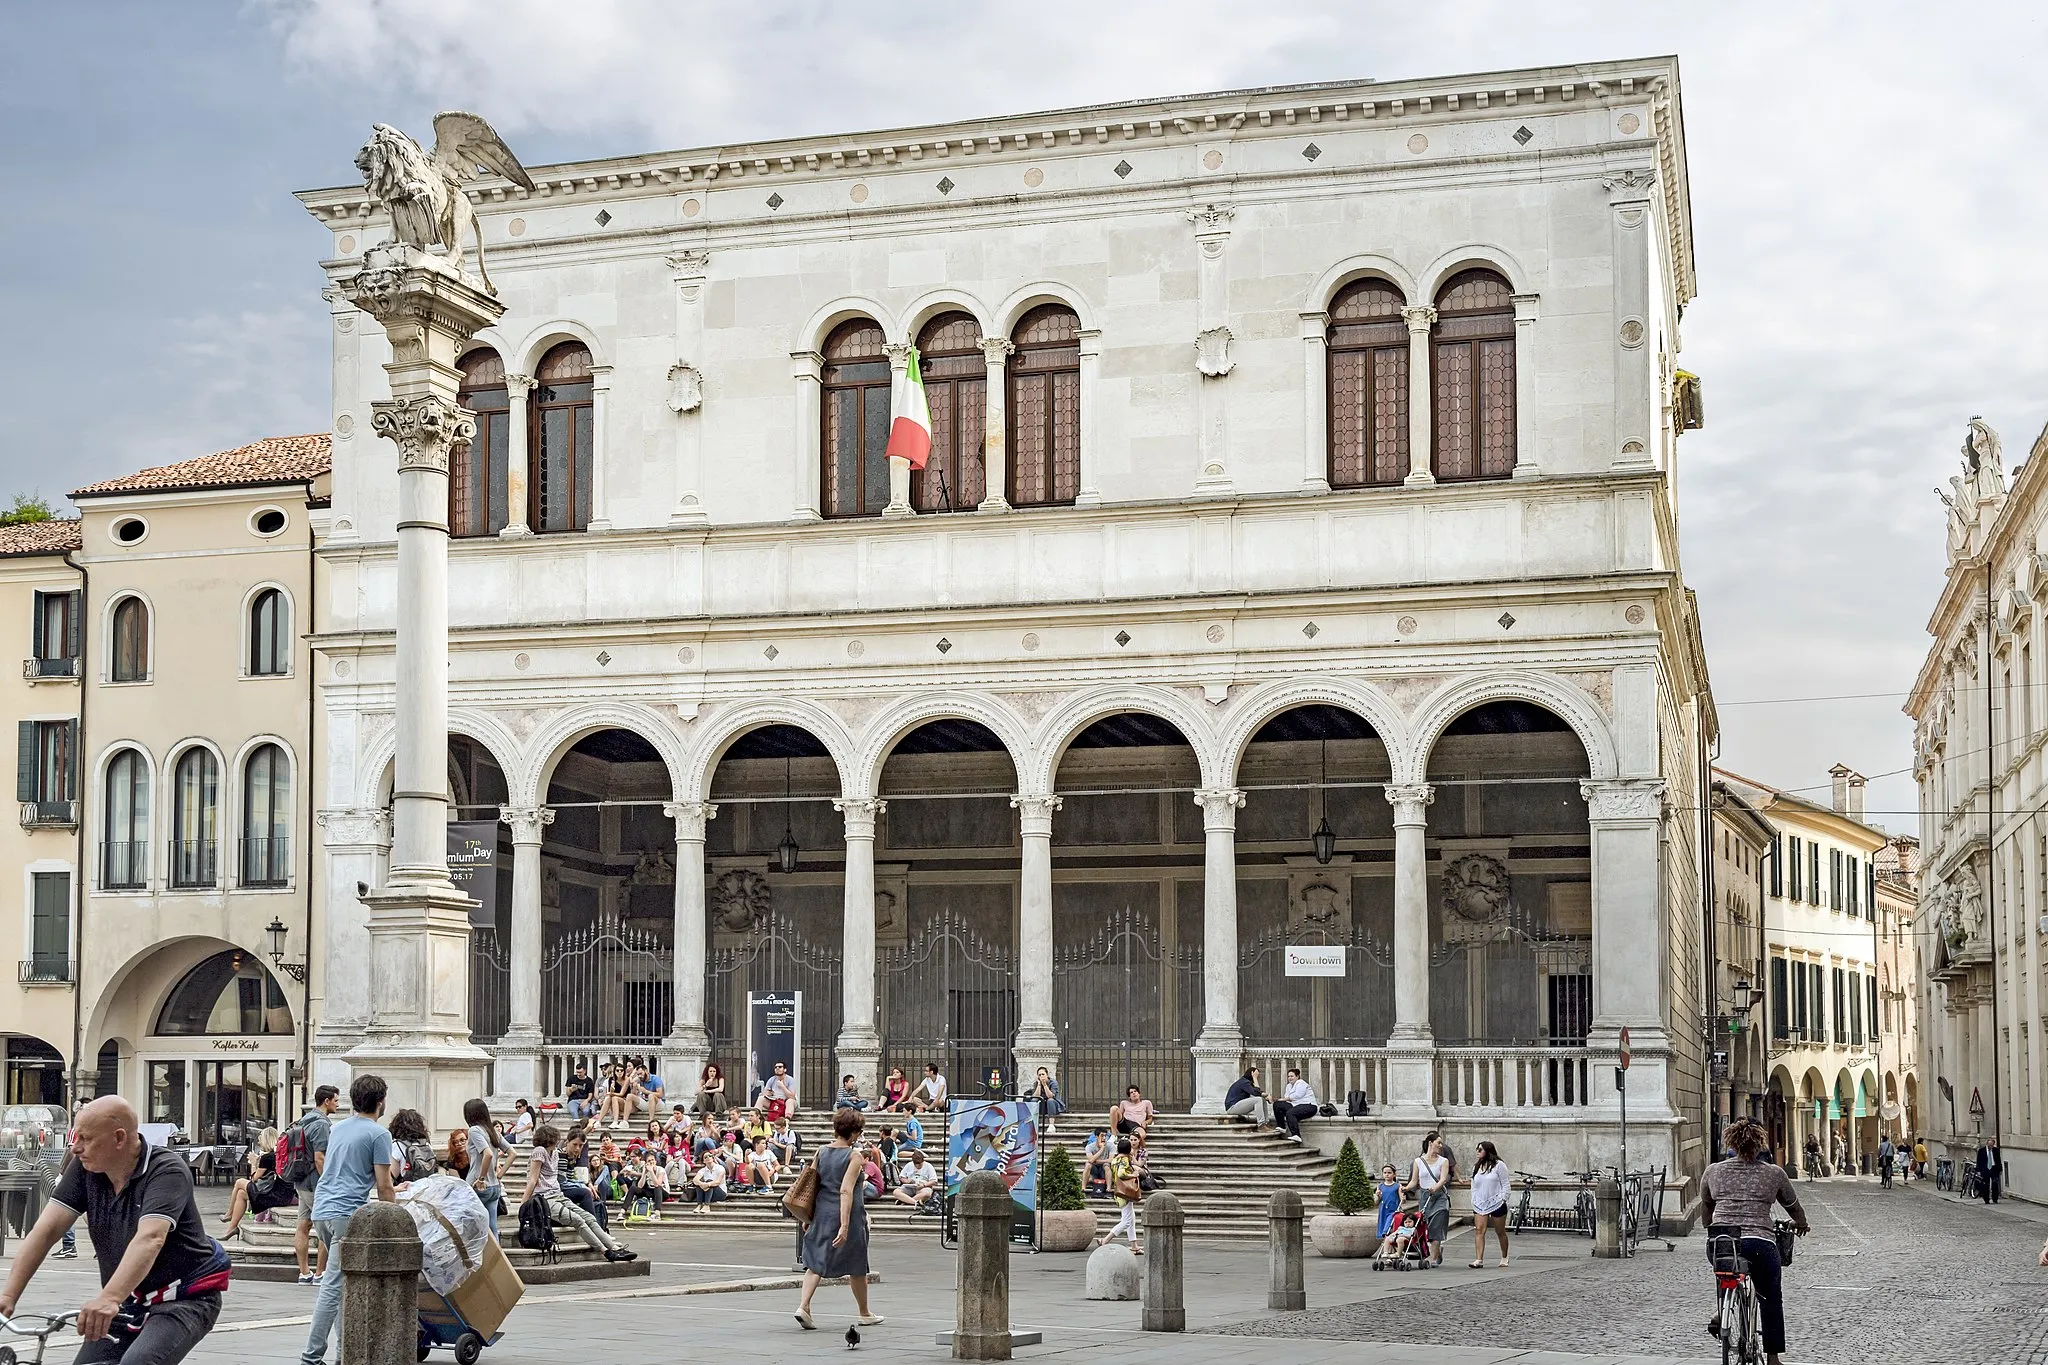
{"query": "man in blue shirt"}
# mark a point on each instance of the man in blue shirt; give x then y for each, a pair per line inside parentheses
(358, 1166)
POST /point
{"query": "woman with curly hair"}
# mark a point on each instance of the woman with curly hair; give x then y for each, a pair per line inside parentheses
(1737, 1199)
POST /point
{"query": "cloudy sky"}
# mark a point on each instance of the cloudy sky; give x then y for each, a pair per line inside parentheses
(1866, 187)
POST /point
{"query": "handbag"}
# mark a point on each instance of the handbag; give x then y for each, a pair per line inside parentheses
(800, 1201)
(1128, 1188)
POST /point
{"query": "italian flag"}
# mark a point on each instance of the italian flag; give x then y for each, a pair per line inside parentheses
(910, 436)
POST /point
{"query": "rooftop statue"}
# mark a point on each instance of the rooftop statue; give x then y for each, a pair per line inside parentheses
(423, 190)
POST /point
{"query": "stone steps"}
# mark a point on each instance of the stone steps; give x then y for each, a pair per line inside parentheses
(267, 1256)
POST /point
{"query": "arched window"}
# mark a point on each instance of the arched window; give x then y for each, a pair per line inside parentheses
(956, 384)
(1473, 357)
(564, 440)
(226, 995)
(129, 657)
(1044, 407)
(1368, 360)
(266, 818)
(195, 819)
(270, 634)
(124, 854)
(476, 482)
(856, 415)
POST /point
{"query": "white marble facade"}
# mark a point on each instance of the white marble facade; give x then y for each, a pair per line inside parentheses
(1204, 572)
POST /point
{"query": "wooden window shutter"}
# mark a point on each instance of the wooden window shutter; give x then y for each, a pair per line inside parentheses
(25, 762)
(1777, 865)
(36, 628)
(70, 791)
(73, 623)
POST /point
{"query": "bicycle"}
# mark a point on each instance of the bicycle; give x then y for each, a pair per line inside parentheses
(1582, 1206)
(50, 1327)
(1520, 1217)
(1736, 1307)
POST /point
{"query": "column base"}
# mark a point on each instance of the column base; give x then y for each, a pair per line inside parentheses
(1421, 478)
(1215, 486)
(518, 530)
(517, 1075)
(433, 1074)
(1088, 497)
(1037, 1045)
(1411, 1076)
(1315, 485)
(992, 503)
(898, 509)
(859, 1056)
(689, 514)
(1527, 471)
(1219, 1061)
(683, 1056)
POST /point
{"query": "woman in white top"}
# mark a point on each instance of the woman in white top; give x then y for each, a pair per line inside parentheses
(1489, 1203)
(1430, 1178)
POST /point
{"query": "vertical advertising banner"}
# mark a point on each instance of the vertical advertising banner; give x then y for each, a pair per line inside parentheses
(999, 1136)
(775, 1023)
(473, 867)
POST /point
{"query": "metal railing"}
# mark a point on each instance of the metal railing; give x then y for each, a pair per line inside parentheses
(35, 670)
(195, 864)
(1332, 1072)
(266, 862)
(49, 814)
(46, 969)
(1511, 1077)
(124, 865)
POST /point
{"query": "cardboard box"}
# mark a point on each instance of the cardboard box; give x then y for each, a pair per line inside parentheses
(486, 1298)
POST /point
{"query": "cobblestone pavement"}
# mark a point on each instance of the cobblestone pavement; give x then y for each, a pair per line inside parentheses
(1906, 1275)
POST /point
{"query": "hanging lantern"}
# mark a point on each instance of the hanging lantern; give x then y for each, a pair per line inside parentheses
(1325, 841)
(786, 852)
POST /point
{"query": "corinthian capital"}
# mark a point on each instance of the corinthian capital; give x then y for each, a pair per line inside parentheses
(1419, 318)
(1410, 799)
(1623, 800)
(519, 385)
(1034, 811)
(996, 350)
(355, 828)
(427, 429)
(690, 818)
(1220, 806)
(527, 822)
(860, 815)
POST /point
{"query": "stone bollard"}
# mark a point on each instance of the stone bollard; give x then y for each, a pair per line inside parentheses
(982, 1324)
(1607, 1219)
(1164, 1309)
(380, 1287)
(1289, 1291)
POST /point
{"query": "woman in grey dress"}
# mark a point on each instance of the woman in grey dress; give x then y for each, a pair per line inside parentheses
(836, 1238)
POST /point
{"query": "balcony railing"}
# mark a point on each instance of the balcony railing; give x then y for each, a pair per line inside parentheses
(46, 969)
(49, 814)
(194, 864)
(1511, 1077)
(124, 865)
(41, 670)
(266, 862)
(1332, 1072)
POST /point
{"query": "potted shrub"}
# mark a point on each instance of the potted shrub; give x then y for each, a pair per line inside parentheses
(1065, 1222)
(1351, 1230)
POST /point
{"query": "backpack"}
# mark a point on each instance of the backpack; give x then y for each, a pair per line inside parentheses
(536, 1229)
(295, 1154)
(1355, 1105)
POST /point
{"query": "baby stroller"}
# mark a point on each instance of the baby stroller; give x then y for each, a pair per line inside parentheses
(1406, 1245)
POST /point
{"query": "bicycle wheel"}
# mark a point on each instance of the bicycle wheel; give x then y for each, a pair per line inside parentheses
(1731, 1335)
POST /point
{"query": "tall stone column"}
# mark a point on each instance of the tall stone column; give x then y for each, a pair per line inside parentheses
(1411, 1047)
(1220, 1049)
(1625, 816)
(518, 388)
(1526, 466)
(1635, 398)
(600, 446)
(860, 1043)
(1038, 1039)
(686, 386)
(1421, 427)
(418, 1038)
(1090, 495)
(519, 1051)
(899, 469)
(356, 841)
(807, 373)
(1315, 369)
(688, 1045)
(995, 426)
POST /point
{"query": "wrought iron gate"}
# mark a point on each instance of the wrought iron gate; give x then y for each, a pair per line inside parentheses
(1355, 1009)
(1128, 1010)
(775, 957)
(607, 984)
(490, 983)
(949, 996)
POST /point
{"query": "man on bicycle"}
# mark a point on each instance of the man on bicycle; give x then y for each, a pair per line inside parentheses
(161, 1274)
(1737, 1197)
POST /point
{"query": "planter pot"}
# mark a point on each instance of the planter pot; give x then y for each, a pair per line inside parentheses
(1344, 1235)
(1069, 1230)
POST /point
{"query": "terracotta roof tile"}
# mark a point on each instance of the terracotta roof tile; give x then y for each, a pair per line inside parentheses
(51, 537)
(275, 459)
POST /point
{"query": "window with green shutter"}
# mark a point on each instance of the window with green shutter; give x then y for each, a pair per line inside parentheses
(50, 927)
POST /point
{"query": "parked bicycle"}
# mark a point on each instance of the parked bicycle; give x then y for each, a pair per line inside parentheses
(1582, 1205)
(1973, 1183)
(1528, 1216)
(40, 1326)
(1944, 1173)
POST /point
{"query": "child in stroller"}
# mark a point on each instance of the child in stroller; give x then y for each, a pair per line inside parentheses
(1406, 1245)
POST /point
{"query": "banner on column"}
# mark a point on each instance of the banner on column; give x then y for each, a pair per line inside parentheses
(999, 1136)
(775, 1027)
(473, 867)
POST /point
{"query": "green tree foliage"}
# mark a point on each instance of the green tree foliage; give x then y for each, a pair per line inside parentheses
(1059, 1184)
(1350, 1191)
(26, 509)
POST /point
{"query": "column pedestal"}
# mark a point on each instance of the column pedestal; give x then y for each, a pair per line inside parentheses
(1219, 1050)
(860, 1044)
(1038, 1040)
(1411, 1047)
(1624, 817)
(688, 1045)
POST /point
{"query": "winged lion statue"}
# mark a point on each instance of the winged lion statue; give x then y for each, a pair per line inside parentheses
(423, 190)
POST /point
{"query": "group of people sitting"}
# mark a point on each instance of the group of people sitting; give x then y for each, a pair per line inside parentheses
(699, 1161)
(1248, 1102)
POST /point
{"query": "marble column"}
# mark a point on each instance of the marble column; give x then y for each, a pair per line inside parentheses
(1526, 466)
(1315, 372)
(1421, 429)
(518, 387)
(357, 843)
(860, 1043)
(899, 469)
(1038, 1039)
(519, 1051)
(1091, 413)
(995, 427)
(600, 441)
(1411, 1047)
(1625, 816)
(688, 1045)
(807, 374)
(418, 1036)
(1219, 1051)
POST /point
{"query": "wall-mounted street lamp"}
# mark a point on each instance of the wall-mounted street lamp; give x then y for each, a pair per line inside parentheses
(295, 970)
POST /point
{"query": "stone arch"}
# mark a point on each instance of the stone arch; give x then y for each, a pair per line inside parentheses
(722, 732)
(1060, 728)
(1563, 699)
(543, 337)
(888, 730)
(556, 737)
(1263, 703)
(811, 337)
(178, 954)
(930, 305)
(1358, 267)
(1473, 256)
(1031, 296)
(475, 723)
